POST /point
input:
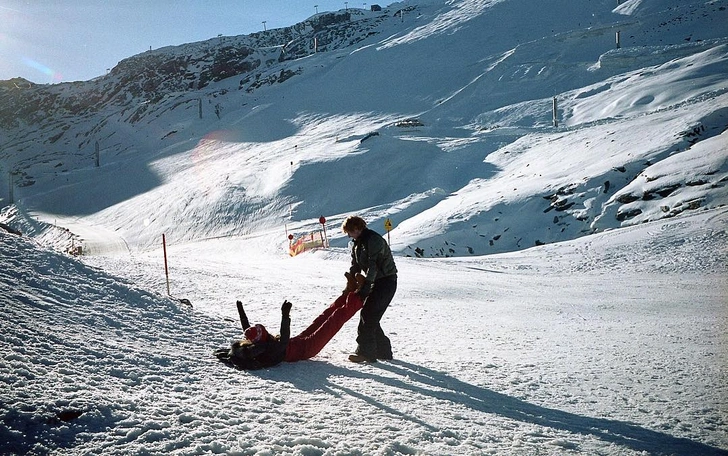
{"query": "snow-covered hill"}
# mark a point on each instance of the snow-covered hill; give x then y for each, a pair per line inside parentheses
(610, 344)
(454, 101)
(563, 281)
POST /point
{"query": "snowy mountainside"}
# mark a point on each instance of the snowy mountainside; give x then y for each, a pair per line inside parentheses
(150, 76)
(607, 339)
(437, 115)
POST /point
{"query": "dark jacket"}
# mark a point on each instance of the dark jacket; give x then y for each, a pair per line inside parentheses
(372, 256)
(246, 355)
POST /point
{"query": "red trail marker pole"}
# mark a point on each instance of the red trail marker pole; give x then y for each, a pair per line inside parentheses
(325, 240)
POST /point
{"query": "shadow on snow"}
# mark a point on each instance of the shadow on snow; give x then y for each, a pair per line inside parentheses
(428, 382)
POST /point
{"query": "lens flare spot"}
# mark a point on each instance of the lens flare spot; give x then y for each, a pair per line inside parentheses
(54, 75)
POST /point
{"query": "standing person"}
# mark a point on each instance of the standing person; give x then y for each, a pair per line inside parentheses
(371, 255)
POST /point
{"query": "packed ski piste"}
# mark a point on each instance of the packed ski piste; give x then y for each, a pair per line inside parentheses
(437, 228)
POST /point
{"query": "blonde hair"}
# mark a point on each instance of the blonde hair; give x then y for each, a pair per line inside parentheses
(240, 346)
(353, 223)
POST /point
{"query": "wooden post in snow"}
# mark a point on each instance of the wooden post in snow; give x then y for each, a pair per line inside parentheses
(166, 269)
(555, 113)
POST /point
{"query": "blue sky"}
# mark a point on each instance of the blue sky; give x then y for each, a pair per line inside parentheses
(47, 41)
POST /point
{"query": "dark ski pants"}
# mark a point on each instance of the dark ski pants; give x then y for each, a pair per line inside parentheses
(310, 342)
(371, 340)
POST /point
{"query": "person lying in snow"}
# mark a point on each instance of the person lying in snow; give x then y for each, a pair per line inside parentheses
(260, 349)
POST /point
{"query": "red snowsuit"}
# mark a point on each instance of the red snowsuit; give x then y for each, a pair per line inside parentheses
(307, 344)
(273, 350)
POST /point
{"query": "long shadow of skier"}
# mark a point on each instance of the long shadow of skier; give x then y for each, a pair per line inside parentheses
(618, 432)
(428, 382)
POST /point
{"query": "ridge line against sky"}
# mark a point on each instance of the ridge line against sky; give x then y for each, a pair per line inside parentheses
(47, 41)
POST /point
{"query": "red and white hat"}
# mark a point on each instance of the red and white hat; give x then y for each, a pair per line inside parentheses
(256, 333)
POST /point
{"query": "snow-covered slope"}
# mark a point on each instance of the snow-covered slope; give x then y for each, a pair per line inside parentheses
(607, 339)
(610, 344)
(435, 115)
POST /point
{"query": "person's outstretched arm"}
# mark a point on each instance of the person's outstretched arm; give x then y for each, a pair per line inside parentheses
(286, 321)
(243, 318)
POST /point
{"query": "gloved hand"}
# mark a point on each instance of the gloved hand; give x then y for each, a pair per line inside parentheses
(286, 308)
(351, 283)
(244, 323)
(365, 289)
